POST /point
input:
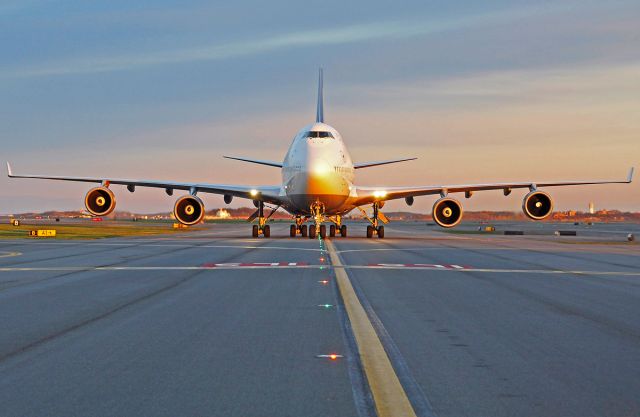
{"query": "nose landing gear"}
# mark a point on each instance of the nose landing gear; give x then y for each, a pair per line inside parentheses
(317, 212)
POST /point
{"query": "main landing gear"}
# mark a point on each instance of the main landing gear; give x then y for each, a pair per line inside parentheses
(375, 228)
(299, 228)
(318, 228)
(262, 228)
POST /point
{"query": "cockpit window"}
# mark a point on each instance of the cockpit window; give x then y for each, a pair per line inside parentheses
(318, 135)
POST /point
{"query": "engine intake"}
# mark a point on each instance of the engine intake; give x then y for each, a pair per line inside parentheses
(100, 201)
(188, 210)
(537, 205)
(447, 212)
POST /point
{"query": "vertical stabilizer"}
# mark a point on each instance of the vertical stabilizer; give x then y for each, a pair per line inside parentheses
(320, 108)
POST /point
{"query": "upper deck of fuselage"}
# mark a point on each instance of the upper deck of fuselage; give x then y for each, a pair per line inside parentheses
(317, 142)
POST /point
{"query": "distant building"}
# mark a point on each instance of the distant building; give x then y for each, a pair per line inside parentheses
(592, 208)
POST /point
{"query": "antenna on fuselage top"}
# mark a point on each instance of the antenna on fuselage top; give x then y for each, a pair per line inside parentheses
(320, 108)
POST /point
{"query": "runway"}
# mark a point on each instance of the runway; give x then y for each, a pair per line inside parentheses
(215, 323)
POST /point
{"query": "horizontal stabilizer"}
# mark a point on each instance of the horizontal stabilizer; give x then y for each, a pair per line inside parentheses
(376, 163)
(257, 161)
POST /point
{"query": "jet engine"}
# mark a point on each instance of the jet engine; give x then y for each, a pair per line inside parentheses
(447, 212)
(537, 205)
(100, 201)
(188, 210)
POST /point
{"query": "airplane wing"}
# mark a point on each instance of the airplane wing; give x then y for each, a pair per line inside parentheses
(256, 161)
(377, 163)
(367, 195)
(268, 194)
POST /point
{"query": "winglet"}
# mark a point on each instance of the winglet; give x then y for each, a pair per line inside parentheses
(9, 173)
(320, 107)
(630, 177)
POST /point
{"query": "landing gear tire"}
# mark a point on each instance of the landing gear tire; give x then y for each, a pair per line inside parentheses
(343, 230)
(303, 230)
(323, 231)
(266, 231)
(381, 232)
(293, 230)
(332, 230)
(254, 231)
(369, 232)
(312, 231)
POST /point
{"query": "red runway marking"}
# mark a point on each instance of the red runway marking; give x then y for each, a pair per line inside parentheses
(253, 264)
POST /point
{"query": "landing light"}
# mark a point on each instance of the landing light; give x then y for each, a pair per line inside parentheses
(379, 194)
(253, 192)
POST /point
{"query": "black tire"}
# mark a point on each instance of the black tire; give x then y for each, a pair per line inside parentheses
(266, 231)
(292, 230)
(312, 231)
(323, 231)
(303, 230)
(343, 230)
(369, 232)
(254, 231)
(381, 232)
(332, 230)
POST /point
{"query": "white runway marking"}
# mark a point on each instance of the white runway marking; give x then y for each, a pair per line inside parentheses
(290, 265)
(9, 254)
(424, 249)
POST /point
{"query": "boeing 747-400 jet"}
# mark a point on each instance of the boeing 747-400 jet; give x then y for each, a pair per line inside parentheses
(317, 188)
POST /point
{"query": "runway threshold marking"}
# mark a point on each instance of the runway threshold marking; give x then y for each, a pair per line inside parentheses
(389, 397)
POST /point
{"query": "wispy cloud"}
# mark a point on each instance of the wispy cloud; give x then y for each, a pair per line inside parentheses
(385, 30)
(566, 84)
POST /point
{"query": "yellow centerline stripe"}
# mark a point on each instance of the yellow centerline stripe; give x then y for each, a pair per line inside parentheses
(389, 396)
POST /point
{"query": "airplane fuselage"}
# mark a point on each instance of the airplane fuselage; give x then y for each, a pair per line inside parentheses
(317, 169)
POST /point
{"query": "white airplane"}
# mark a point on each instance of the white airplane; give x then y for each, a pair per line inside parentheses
(318, 187)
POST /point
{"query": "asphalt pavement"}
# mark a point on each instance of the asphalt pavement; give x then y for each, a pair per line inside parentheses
(216, 323)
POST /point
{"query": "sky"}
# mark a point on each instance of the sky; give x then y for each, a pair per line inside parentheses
(478, 91)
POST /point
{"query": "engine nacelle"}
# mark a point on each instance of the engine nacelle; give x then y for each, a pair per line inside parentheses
(447, 212)
(188, 210)
(537, 205)
(100, 201)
